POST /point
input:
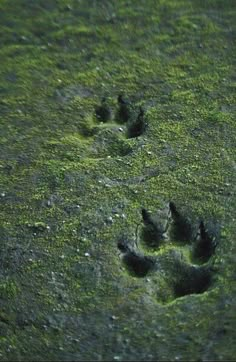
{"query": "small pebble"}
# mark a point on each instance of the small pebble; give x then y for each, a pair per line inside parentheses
(110, 219)
(76, 340)
(117, 358)
(177, 358)
(68, 7)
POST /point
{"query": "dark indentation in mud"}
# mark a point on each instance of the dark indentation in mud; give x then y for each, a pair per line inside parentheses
(180, 228)
(124, 110)
(204, 246)
(37, 227)
(138, 265)
(123, 246)
(151, 234)
(137, 127)
(103, 111)
(191, 280)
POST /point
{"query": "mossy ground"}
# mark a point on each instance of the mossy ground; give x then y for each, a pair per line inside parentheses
(71, 186)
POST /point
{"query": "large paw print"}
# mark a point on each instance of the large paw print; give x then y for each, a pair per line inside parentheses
(179, 261)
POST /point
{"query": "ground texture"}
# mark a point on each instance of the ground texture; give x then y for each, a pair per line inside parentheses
(117, 180)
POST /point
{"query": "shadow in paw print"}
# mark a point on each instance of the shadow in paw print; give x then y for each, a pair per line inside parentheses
(180, 228)
(152, 232)
(134, 119)
(136, 127)
(204, 246)
(103, 111)
(138, 265)
(190, 279)
(124, 111)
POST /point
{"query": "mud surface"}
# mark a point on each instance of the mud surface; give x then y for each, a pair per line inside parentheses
(117, 180)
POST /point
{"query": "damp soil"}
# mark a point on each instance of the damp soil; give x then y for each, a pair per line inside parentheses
(117, 180)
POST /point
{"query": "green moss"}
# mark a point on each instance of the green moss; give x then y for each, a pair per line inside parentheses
(8, 289)
(71, 187)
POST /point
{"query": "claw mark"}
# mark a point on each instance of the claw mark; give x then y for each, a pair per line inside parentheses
(151, 233)
(204, 247)
(181, 229)
(136, 128)
(124, 111)
(103, 111)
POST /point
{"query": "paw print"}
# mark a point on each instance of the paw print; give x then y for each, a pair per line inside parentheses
(180, 255)
(110, 133)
